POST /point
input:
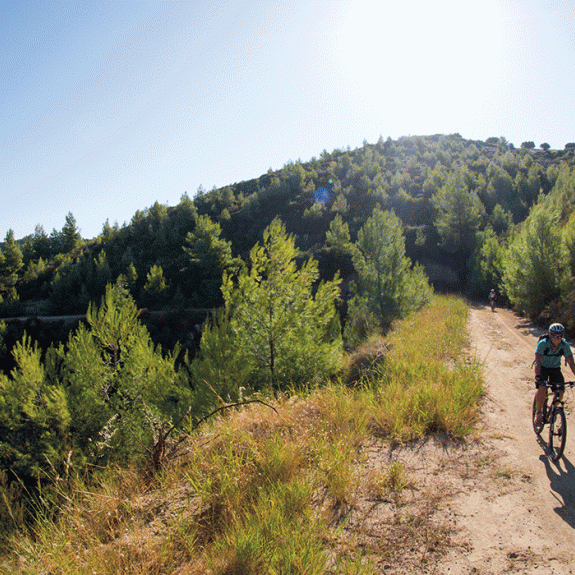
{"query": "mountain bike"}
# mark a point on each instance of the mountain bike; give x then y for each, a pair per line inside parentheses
(554, 415)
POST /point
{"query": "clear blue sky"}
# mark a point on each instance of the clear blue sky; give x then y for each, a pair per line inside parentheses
(109, 106)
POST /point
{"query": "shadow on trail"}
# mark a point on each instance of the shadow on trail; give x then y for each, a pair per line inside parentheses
(473, 304)
(562, 483)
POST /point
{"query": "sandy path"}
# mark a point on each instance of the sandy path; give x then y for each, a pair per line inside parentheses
(519, 517)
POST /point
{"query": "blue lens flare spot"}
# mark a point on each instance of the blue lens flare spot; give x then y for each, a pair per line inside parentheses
(322, 195)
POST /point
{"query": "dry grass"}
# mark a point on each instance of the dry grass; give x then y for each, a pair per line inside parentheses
(313, 486)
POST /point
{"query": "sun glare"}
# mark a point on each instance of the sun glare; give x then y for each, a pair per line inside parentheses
(415, 53)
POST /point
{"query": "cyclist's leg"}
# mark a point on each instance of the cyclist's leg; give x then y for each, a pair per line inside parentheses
(540, 396)
(553, 375)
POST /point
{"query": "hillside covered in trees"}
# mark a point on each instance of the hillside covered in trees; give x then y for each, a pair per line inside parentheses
(467, 215)
(452, 196)
(278, 275)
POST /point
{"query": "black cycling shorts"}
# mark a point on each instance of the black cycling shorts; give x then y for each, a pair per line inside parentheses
(551, 374)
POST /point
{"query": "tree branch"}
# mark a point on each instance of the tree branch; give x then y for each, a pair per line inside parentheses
(158, 451)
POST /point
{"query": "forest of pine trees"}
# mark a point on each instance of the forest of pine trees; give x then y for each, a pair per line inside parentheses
(444, 189)
(464, 210)
(276, 278)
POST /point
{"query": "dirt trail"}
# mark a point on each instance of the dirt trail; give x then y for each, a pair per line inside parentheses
(518, 516)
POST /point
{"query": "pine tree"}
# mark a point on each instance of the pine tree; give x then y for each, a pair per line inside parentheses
(286, 332)
(34, 417)
(388, 287)
(28, 253)
(536, 268)
(459, 215)
(219, 372)
(337, 237)
(155, 290)
(487, 265)
(102, 274)
(41, 243)
(210, 256)
(130, 277)
(120, 387)
(11, 261)
(70, 235)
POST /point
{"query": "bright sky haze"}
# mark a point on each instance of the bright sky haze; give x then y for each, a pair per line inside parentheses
(109, 106)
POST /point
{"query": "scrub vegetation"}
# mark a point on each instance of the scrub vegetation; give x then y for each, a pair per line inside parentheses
(266, 487)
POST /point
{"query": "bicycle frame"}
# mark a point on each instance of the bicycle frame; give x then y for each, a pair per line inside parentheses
(556, 401)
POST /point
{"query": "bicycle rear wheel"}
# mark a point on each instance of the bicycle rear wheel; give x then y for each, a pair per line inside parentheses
(557, 434)
(537, 427)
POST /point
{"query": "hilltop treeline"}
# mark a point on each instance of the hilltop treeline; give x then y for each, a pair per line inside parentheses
(444, 189)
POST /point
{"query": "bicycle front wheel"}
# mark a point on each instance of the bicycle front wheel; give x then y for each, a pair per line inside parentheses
(557, 434)
(537, 427)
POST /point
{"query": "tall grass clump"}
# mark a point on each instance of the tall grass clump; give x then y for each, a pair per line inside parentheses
(428, 382)
(254, 493)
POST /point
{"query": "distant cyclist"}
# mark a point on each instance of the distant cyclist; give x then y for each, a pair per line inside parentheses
(492, 298)
(547, 363)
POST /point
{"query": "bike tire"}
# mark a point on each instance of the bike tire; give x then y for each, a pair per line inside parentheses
(537, 427)
(557, 434)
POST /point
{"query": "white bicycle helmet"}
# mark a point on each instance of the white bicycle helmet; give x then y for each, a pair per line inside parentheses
(556, 328)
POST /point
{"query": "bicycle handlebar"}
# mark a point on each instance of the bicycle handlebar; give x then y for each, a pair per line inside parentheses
(556, 386)
(549, 384)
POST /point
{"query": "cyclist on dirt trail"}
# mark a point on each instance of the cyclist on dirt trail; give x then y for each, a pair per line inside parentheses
(548, 364)
(492, 297)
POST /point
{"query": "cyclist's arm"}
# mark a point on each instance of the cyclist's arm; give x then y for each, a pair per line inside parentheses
(569, 361)
(537, 363)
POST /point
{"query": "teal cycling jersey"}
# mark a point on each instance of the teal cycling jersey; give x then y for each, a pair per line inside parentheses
(552, 359)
